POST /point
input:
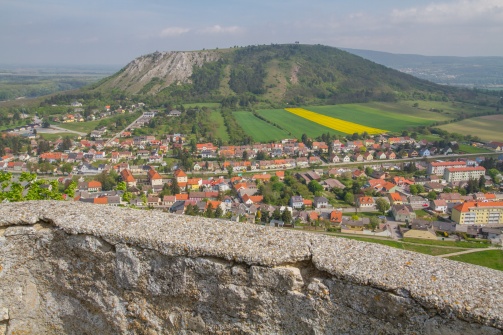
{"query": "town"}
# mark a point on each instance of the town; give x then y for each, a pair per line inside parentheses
(383, 185)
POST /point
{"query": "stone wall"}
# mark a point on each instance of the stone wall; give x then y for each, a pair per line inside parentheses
(75, 268)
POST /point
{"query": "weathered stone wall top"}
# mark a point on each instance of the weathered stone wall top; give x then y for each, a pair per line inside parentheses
(470, 293)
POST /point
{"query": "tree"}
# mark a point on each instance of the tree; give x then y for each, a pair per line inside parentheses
(382, 205)
(432, 195)
(67, 168)
(218, 212)
(349, 198)
(230, 170)
(209, 213)
(413, 189)
(245, 155)
(67, 143)
(276, 215)
(374, 222)
(121, 186)
(314, 187)
(482, 182)
(175, 188)
(286, 217)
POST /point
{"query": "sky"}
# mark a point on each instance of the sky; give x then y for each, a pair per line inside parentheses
(71, 32)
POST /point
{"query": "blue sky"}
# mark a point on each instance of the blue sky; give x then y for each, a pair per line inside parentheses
(116, 31)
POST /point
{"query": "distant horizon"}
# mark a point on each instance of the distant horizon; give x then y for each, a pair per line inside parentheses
(118, 66)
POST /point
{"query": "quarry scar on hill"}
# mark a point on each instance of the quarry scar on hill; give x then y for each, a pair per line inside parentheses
(116, 270)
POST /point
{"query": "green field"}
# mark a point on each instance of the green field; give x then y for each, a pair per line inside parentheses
(260, 130)
(202, 104)
(220, 129)
(488, 128)
(423, 249)
(295, 124)
(391, 117)
(84, 127)
(468, 149)
(489, 258)
(55, 136)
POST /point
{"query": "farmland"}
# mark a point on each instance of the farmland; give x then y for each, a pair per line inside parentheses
(294, 124)
(260, 130)
(381, 115)
(488, 128)
(334, 123)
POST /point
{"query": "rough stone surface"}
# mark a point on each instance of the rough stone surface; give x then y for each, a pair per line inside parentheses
(81, 269)
(174, 67)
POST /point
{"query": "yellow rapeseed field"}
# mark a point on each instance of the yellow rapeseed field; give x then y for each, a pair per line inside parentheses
(333, 123)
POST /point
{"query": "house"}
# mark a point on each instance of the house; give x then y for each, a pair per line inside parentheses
(439, 206)
(181, 178)
(395, 198)
(320, 202)
(417, 202)
(154, 178)
(336, 217)
(365, 202)
(128, 178)
(420, 229)
(296, 201)
(334, 158)
(329, 184)
(403, 213)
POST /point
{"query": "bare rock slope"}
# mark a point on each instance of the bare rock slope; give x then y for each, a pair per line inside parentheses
(72, 268)
(167, 68)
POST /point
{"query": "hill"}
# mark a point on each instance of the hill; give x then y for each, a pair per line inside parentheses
(291, 73)
(482, 72)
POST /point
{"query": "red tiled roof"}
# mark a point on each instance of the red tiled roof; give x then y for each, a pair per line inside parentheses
(467, 169)
(465, 207)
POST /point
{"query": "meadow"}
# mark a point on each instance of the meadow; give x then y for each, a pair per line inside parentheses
(220, 129)
(490, 258)
(487, 128)
(84, 127)
(260, 130)
(294, 124)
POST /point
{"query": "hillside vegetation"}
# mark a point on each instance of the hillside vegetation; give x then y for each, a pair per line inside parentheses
(291, 73)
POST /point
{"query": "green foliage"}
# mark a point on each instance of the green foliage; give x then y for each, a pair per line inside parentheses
(382, 205)
(28, 187)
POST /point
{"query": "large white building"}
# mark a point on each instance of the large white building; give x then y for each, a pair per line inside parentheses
(438, 168)
(463, 173)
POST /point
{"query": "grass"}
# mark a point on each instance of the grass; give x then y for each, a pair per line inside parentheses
(220, 129)
(203, 104)
(489, 258)
(488, 128)
(84, 127)
(55, 136)
(429, 250)
(457, 244)
(295, 124)
(260, 130)
(380, 115)
(468, 149)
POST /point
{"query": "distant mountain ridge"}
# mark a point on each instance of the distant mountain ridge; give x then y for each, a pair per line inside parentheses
(484, 72)
(289, 73)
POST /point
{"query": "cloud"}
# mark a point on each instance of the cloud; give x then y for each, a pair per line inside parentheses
(174, 31)
(453, 12)
(217, 29)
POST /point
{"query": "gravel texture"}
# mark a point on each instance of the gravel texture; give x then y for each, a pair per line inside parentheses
(468, 292)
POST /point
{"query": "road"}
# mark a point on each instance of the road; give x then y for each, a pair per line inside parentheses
(109, 142)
